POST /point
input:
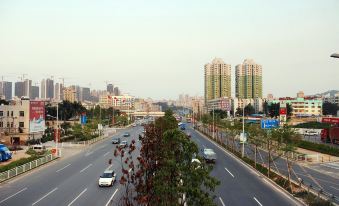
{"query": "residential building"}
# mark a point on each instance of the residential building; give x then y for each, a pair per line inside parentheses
(47, 89)
(85, 94)
(6, 90)
(116, 91)
(34, 92)
(15, 122)
(19, 89)
(219, 104)
(110, 89)
(217, 80)
(257, 104)
(248, 80)
(300, 94)
(69, 94)
(77, 90)
(302, 107)
(27, 87)
(122, 102)
(58, 91)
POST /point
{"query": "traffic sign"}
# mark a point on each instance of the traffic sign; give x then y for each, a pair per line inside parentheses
(269, 123)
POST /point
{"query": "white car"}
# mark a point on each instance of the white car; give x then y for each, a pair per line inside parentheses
(107, 178)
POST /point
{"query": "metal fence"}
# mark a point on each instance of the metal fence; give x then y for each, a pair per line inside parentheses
(26, 167)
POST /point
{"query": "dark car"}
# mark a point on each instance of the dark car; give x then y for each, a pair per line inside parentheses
(126, 134)
(116, 140)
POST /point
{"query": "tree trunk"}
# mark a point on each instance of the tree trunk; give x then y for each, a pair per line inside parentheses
(269, 158)
(289, 173)
(255, 157)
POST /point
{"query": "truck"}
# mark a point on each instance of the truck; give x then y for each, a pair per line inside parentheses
(209, 155)
(330, 134)
(5, 154)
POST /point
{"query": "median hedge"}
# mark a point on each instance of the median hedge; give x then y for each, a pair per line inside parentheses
(325, 149)
(17, 163)
(313, 125)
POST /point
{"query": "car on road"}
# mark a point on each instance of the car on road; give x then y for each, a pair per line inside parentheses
(107, 178)
(5, 154)
(127, 134)
(209, 155)
(116, 140)
(123, 144)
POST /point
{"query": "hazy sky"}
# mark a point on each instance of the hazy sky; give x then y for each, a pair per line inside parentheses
(158, 49)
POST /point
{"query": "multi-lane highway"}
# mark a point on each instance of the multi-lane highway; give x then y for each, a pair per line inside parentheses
(71, 181)
(74, 181)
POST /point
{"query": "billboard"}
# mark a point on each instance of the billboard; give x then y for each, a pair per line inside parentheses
(36, 116)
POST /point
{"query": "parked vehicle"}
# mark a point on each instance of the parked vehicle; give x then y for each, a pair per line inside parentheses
(5, 154)
(116, 140)
(182, 126)
(209, 155)
(107, 178)
(330, 135)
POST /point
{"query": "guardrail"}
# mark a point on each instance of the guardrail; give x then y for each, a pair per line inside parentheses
(26, 167)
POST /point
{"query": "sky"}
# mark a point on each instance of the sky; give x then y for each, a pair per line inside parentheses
(157, 48)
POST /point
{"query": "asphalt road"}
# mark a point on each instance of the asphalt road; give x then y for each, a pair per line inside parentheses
(74, 181)
(71, 181)
(239, 184)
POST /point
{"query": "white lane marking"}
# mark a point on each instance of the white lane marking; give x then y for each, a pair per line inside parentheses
(110, 199)
(330, 166)
(106, 154)
(45, 196)
(330, 186)
(77, 197)
(222, 202)
(229, 172)
(63, 168)
(204, 146)
(129, 170)
(88, 153)
(13, 195)
(257, 201)
(85, 168)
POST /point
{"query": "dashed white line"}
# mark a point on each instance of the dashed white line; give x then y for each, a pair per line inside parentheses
(330, 186)
(13, 195)
(45, 196)
(110, 199)
(222, 202)
(257, 201)
(63, 168)
(89, 153)
(106, 154)
(85, 168)
(77, 197)
(129, 170)
(229, 172)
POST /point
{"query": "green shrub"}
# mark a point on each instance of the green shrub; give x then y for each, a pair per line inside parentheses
(325, 149)
(313, 125)
(17, 163)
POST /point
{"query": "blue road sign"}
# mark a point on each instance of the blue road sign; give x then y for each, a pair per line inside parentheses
(83, 119)
(269, 123)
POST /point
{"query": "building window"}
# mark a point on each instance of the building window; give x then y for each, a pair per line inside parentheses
(12, 124)
(21, 124)
(1, 124)
(1, 113)
(12, 113)
(7, 113)
(21, 113)
(7, 124)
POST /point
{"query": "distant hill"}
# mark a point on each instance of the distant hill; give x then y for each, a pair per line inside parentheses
(329, 92)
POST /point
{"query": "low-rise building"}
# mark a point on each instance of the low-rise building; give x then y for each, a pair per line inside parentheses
(21, 120)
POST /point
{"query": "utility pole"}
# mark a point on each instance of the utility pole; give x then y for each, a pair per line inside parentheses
(243, 129)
